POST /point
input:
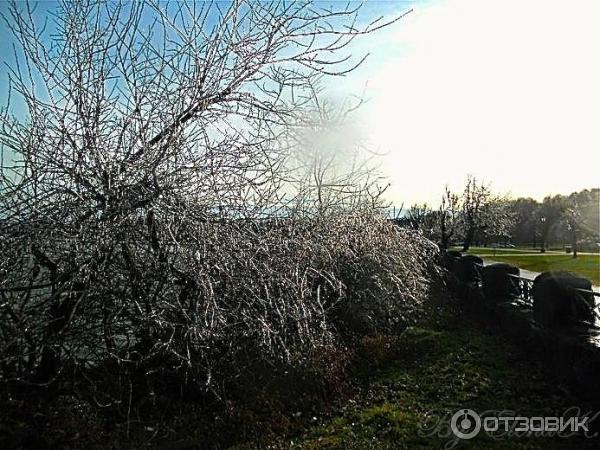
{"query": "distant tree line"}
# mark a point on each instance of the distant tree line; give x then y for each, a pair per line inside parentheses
(572, 219)
(477, 216)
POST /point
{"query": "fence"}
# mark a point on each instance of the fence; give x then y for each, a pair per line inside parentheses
(511, 303)
(524, 286)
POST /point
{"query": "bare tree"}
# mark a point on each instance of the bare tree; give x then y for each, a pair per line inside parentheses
(474, 199)
(193, 106)
(152, 131)
(419, 217)
(331, 167)
(448, 215)
(476, 211)
(483, 212)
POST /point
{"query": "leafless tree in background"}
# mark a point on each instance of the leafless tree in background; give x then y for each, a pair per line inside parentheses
(420, 217)
(483, 212)
(476, 212)
(155, 139)
(331, 167)
(474, 199)
(448, 215)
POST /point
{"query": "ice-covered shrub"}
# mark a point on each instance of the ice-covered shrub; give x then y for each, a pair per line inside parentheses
(208, 299)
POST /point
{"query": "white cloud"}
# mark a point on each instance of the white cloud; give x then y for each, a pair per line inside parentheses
(508, 91)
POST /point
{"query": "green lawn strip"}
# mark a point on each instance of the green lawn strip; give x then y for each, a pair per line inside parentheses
(519, 250)
(508, 251)
(439, 371)
(586, 265)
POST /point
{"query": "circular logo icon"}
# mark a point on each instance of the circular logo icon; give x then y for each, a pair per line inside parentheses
(465, 423)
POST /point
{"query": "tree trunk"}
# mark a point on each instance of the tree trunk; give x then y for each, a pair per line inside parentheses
(443, 242)
(544, 237)
(444, 236)
(543, 242)
(468, 239)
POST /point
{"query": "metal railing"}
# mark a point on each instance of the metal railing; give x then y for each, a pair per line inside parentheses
(596, 305)
(520, 290)
(524, 288)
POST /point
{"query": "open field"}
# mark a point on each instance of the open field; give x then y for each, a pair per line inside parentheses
(586, 264)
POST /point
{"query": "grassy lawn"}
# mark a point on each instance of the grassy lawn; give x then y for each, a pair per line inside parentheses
(587, 265)
(394, 386)
(501, 251)
(424, 372)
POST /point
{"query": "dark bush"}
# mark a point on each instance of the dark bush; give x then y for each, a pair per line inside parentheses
(558, 303)
(468, 269)
(497, 282)
(453, 254)
(450, 258)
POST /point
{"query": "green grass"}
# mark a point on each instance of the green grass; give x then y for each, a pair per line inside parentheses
(501, 251)
(437, 372)
(395, 384)
(587, 265)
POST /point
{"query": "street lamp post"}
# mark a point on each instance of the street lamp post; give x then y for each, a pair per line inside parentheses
(544, 235)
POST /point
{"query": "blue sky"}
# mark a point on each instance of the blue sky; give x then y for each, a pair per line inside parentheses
(507, 91)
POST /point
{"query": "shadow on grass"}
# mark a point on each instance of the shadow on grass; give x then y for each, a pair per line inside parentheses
(432, 371)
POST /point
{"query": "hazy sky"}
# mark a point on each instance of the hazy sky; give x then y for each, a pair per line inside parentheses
(505, 90)
(508, 91)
